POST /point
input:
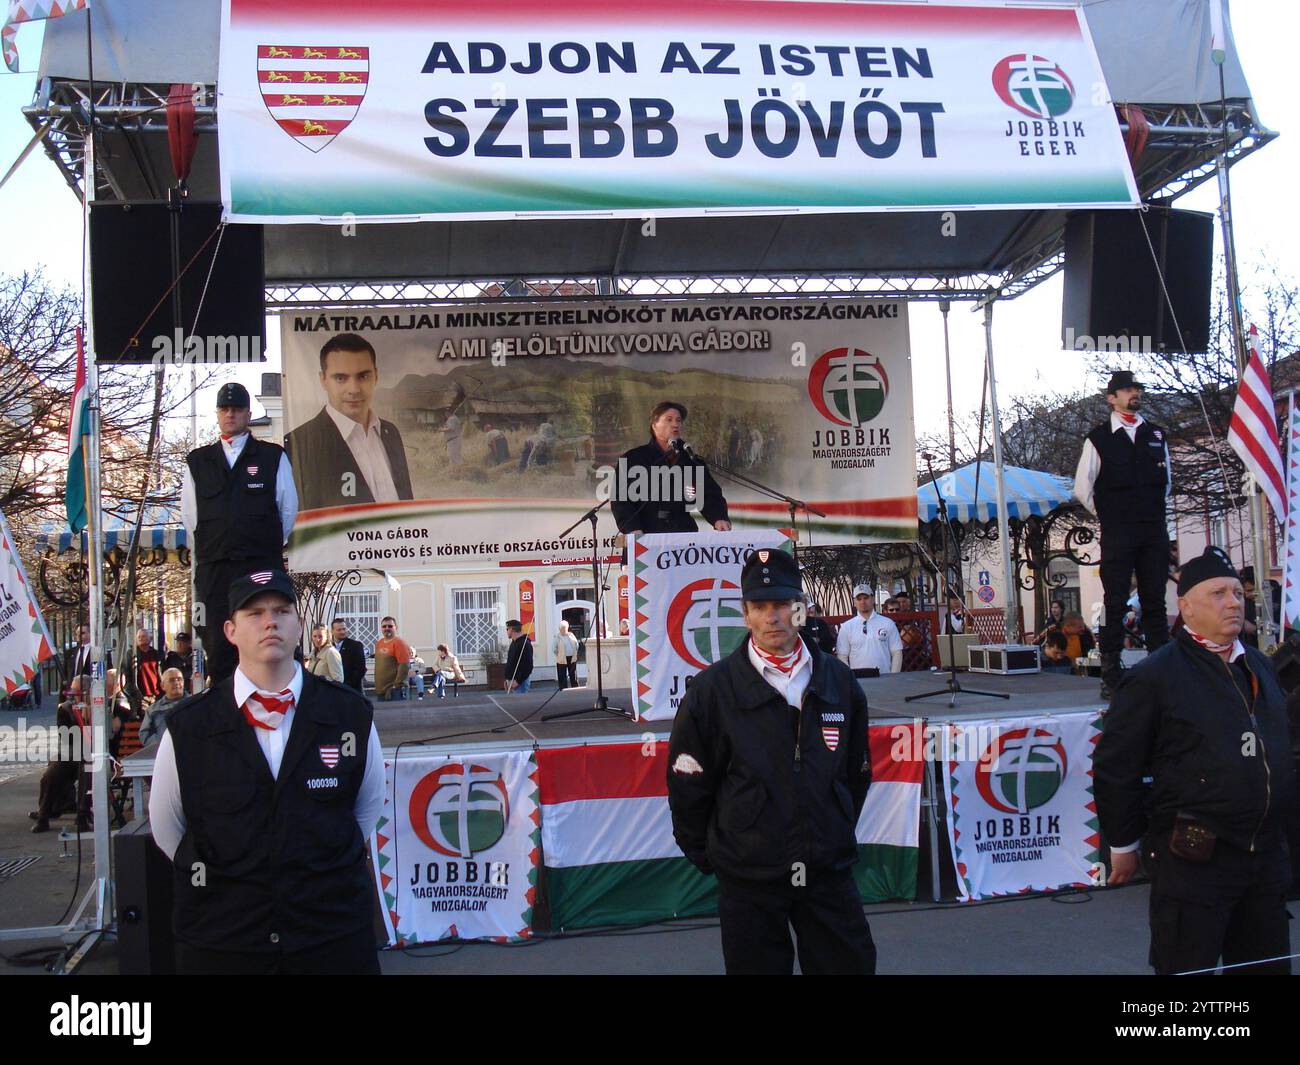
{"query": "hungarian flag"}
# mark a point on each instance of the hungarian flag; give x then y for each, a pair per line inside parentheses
(30, 11)
(74, 496)
(1253, 430)
(607, 835)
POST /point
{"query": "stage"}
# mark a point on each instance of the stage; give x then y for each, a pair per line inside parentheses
(492, 720)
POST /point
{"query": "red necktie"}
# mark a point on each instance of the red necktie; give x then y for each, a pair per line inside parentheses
(267, 709)
(784, 663)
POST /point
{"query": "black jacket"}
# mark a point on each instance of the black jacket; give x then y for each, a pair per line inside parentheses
(354, 662)
(820, 632)
(283, 859)
(324, 457)
(760, 800)
(1179, 717)
(519, 659)
(659, 516)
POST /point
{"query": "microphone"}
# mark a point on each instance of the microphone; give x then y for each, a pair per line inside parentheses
(683, 448)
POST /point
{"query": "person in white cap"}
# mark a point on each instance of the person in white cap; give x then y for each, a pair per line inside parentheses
(869, 641)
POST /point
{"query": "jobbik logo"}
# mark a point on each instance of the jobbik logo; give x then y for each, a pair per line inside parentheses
(460, 809)
(849, 388)
(706, 621)
(1020, 771)
(1042, 91)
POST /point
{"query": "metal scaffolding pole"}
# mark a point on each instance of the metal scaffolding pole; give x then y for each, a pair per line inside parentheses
(1004, 531)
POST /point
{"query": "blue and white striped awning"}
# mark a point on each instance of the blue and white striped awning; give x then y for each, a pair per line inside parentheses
(162, 528)
(1029, 492)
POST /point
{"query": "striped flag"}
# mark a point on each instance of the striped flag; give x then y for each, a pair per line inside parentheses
(607, 834)
(74, 496)
(30, 11)
(1253, 431)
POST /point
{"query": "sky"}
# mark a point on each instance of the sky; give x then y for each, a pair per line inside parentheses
(42, 229)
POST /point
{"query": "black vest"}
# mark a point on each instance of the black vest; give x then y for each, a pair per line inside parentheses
(237, 514)
(283, 862)
(1131, 484)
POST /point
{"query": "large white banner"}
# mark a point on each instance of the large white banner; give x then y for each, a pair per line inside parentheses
(1020, 804)
(456, 851)
(501, 425)
(687, 611)
(333, 110)
(24, 641)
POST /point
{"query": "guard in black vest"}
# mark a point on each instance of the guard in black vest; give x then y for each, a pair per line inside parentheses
(264, 791)
(768, 771)
(239, 503)
(1124, 478)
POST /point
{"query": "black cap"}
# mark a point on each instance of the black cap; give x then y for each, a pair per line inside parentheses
(1121, 379)
(1213, 562)
(258, 583)
(770, 574)
(233, 394)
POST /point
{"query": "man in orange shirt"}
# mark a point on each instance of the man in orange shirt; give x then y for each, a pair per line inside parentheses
(392, 655)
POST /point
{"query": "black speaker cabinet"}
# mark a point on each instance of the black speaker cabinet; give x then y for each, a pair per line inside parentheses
(145, 945)
(1114, 300)
(223, 305)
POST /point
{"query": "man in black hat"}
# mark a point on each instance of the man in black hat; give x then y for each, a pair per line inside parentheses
(1205, 718)
(1123, 477)
(658, 483)
(768, 770)
(265, 789)
(238, 503)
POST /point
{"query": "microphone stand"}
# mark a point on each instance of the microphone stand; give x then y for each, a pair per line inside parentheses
(953, 688)
(602, 702)
(745, 481)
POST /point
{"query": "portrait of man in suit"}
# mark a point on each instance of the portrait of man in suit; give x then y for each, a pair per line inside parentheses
(347, 454)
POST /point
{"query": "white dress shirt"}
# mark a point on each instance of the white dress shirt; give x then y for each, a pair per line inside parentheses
(167, 815)
(286, 495)
(870, 649)
(792, 685)
(1085, 476)
(367, 447)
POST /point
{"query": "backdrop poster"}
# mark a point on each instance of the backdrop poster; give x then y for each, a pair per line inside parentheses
(1020, 796)
(687, 611)
(491, 429)
(444, 109)
(457, 849)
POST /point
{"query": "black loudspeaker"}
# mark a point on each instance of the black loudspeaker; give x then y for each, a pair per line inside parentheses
(131, 277)
(145, 946)
(1114, 300)
(1286, 661)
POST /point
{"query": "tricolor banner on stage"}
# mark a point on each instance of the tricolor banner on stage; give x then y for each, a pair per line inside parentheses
(457, 848)
(444, 109)
(1020, 799)
(607, 833)
(687, 611)
(24, 640)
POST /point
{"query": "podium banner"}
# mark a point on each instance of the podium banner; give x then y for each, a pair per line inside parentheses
(1022, 815)
(457, 849)
(687, 612)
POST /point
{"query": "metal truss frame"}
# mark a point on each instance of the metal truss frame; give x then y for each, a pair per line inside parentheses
(1182, 148)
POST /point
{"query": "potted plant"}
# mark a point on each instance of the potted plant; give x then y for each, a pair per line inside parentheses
(493, 659)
